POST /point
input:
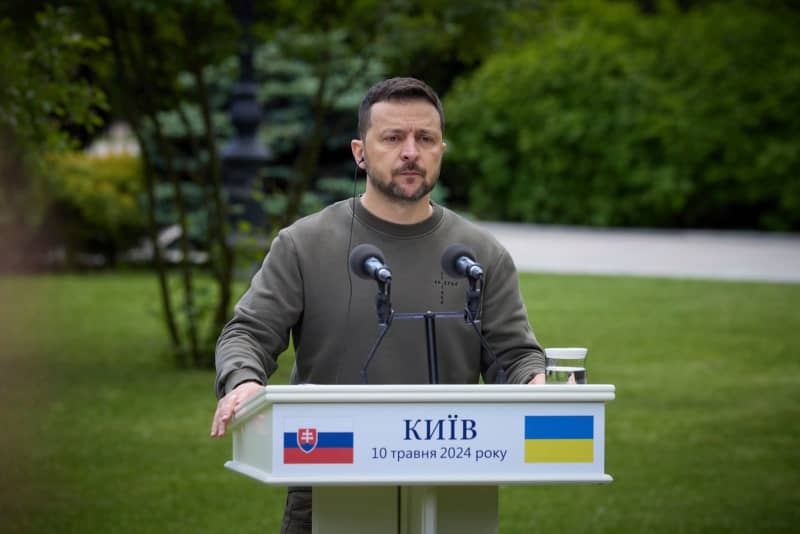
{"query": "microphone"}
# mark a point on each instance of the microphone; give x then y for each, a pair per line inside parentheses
(366, 261)
(459, 261)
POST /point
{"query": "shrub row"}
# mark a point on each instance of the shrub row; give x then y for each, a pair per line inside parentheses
(611, 117)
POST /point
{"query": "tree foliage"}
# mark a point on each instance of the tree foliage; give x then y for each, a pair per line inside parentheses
(42, 90)
(43, 97)
(612, 117)
(159, 52)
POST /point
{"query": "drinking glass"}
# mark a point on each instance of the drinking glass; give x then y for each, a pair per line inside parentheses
(565, 365)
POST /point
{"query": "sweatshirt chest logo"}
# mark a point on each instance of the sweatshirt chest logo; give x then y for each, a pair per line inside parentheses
(443, 283)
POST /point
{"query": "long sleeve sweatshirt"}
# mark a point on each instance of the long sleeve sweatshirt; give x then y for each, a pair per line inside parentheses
(304, 289)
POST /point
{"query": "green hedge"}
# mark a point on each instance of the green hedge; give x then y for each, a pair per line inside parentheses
(611, 117)
(93, 203)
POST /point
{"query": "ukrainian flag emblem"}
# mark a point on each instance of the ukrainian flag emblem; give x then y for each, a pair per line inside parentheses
(559, 439)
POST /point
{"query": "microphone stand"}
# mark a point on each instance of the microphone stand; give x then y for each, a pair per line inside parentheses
(472, 316)
(383, 308)
(383, 303)
(473, 302)
(386, 315)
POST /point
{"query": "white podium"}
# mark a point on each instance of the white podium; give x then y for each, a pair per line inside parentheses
(419, 459)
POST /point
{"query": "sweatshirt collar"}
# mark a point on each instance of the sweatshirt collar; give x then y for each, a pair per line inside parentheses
(403, 231)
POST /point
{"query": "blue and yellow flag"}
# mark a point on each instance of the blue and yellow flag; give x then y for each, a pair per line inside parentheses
(559, 439)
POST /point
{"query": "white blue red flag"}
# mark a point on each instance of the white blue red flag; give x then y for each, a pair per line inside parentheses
(307, 445)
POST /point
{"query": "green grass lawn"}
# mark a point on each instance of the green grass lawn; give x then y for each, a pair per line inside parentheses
(101, 434)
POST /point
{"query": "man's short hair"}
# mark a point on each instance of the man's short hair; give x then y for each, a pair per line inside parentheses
(396, 89)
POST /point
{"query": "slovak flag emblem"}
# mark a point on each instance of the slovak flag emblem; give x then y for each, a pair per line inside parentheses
(323, 443)
(307, 439)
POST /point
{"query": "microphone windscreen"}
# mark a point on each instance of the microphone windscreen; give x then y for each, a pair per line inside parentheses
(360, 254)
(451, 254)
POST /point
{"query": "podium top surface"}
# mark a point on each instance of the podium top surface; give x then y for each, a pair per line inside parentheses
(427, 393)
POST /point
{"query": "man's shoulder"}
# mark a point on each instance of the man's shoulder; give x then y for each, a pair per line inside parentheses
(470, 232)
(322, 221)
(463, 222)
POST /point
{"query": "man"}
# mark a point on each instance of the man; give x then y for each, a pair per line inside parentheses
(305, 288)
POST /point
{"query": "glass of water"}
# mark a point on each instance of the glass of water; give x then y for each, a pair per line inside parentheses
(566, 365)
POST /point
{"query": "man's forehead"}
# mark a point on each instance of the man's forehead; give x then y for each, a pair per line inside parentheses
(404, 114)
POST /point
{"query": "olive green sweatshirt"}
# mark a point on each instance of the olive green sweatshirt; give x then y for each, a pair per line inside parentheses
(304, 288)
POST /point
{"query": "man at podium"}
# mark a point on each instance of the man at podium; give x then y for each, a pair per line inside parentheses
(305, 288)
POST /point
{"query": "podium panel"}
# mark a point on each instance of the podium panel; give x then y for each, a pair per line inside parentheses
(419, 459)
(424, 435)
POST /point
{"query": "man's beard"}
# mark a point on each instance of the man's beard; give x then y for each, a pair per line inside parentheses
(390, 189)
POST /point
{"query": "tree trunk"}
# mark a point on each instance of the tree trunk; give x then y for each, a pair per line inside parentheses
(187, 276)
(226, 257)
(129, 72)
(158, 261)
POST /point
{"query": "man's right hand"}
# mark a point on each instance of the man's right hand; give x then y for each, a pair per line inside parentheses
(229, 404)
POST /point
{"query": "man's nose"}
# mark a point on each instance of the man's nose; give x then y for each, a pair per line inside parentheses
(409, 150)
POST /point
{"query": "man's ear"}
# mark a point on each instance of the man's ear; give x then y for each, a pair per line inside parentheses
(357, 148)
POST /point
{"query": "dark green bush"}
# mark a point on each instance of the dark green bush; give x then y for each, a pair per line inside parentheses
(611, 117)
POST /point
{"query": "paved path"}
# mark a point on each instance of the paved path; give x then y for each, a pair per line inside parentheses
(674, 254)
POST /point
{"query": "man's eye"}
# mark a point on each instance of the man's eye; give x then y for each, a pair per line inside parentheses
(391, 139)
(427, 140)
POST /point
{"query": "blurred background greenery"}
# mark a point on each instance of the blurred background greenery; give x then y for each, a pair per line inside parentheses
(624, 113)
(593, 112)
(646, 113)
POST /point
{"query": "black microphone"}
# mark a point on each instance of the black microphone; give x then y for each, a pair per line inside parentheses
(366, 261)
(459, 261)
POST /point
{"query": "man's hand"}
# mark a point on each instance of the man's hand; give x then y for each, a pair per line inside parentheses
(229, 404)
(537, 379)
